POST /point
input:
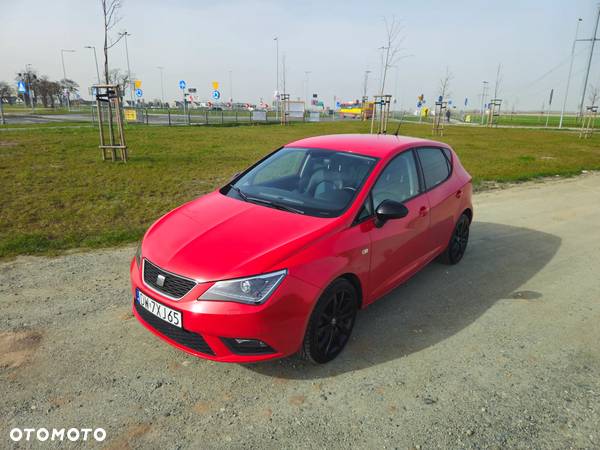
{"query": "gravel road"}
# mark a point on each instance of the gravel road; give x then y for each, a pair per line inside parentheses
(500, 351)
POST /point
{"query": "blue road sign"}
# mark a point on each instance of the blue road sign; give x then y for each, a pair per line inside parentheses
(216, 95)
(181, 84)
(21, 87)
(138, 92)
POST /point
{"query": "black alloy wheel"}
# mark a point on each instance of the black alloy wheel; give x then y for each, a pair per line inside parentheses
(459, 240)
(331, 322)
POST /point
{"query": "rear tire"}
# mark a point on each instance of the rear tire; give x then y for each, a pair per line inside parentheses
(458, 242)
(331, 323)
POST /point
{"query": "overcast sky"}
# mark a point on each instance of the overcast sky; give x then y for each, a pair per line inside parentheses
(201, 41)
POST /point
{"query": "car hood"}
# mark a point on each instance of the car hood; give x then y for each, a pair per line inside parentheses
(216, 237)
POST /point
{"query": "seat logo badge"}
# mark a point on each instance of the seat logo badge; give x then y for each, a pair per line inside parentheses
(365, 251)
(160, 280)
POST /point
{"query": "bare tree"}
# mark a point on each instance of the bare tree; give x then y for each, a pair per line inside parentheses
(116, 76)
(110, 10)
(445, 84)
(391, 49)
(593, 94)
(6, 90)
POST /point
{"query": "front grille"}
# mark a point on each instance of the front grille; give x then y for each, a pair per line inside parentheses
(188, 339)
(174, 286)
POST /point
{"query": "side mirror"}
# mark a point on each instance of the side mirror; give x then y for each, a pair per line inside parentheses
(389, 209)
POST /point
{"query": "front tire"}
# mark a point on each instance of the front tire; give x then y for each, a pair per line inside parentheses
(331, 322)
(458, 242)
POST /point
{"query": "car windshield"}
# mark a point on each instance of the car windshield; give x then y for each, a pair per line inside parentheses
(309, 181)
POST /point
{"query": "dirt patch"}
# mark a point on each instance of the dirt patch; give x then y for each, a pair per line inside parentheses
(17, 348)
(130, 436)
(8, 144)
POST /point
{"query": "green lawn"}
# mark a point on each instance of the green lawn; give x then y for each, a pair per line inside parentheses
(58, 194)
(532, 120)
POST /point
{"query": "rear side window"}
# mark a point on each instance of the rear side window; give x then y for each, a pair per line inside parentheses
(436, 164)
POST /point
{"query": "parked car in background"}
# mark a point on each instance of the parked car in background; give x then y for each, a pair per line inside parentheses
(280, 259)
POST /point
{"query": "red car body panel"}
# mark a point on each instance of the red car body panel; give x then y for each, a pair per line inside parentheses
(216, 237)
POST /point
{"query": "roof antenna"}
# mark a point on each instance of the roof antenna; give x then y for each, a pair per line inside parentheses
(398, 129)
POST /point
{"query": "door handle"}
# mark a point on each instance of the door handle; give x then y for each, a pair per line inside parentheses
(423, 211)
(458, 193)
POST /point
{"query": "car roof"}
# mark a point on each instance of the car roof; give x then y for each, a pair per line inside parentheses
(377, 145)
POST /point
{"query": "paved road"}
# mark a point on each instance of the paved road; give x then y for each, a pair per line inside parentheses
(499, 351)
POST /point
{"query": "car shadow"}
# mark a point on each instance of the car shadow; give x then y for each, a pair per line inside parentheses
(437, 302)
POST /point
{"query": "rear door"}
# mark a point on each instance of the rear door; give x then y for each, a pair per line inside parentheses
(442, 193)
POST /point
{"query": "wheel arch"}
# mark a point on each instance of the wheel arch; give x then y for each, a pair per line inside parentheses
(469, 213)
(355, 281)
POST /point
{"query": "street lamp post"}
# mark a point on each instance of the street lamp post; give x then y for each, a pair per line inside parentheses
(231, 88)
(125, 34)
(483, 92)
(276, 39)
(62, 57)
(307, 92)
(162, 86)
(365, 82)
(95, 60)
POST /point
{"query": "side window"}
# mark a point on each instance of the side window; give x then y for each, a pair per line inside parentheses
(435, 164)
(398, 181)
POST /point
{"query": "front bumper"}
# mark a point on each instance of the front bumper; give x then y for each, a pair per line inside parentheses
(280, 322)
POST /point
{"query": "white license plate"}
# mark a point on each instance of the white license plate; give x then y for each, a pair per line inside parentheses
(159, 310)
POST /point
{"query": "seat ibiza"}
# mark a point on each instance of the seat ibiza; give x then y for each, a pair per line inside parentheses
(280, 259)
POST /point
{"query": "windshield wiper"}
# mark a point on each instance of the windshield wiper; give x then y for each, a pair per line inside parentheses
(275, 205)
(239, 192)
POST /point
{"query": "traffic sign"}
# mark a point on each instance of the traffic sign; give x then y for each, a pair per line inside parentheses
(215, 85)
(137, 84)
(21, 87)
(216, 95)
(138, 93)
(181, 84)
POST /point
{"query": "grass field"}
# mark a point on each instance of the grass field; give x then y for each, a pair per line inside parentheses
(532, 120)
(58, 194)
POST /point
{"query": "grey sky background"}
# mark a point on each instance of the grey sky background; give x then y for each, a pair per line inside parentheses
(200, 41)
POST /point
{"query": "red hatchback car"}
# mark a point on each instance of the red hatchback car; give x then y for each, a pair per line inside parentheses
(280, 260)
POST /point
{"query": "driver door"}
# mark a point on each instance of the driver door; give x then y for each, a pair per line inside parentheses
(398, 248)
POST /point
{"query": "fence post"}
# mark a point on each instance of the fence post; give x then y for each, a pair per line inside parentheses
(222, 117)
(236, 118)
(169, 114)
(189, 117)
(206, 116)
(146, 113)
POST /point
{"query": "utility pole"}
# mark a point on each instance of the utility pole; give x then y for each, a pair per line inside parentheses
(365, 82)
(62, 57)
(497, 85)
(593, 40)
(96, 60)
(162, 86)
(564, 105)
(276, 39)
(125, 34)
(483, 92)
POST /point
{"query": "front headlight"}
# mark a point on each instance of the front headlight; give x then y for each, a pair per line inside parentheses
(252, 290)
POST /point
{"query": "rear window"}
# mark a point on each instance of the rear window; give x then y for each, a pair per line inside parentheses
(436, 164)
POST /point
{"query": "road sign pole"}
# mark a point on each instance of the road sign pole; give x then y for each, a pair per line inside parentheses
(2, 121)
